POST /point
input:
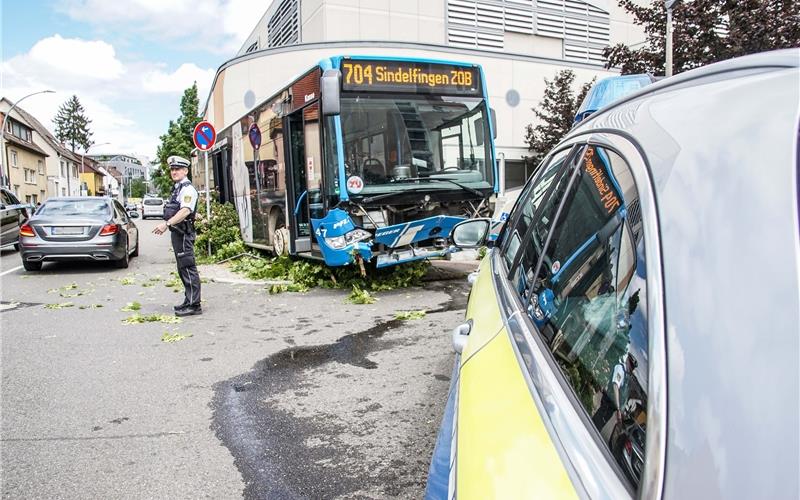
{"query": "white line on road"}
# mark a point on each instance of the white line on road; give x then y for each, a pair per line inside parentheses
(11, 270)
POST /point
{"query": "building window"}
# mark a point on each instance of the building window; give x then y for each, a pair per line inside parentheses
(19, 130)
(63, 191)
(283, 27)
(41, 167)
(74, 171)
(252, 48)
(16, 190)
(30, 175)
(13, 158)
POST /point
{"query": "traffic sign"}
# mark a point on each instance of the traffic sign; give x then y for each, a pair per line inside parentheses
(255, 136)
(204, 136)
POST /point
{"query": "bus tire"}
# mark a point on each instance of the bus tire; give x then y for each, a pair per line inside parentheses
(281, 243)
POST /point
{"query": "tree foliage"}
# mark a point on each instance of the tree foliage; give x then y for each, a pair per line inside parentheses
(556, 113)
(138, 188)
(72, 125)
(706, 31)
(177, 140)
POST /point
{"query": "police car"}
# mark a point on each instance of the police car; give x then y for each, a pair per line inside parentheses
(634, 331)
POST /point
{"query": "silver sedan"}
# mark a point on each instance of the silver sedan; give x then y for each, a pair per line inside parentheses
(80, 228)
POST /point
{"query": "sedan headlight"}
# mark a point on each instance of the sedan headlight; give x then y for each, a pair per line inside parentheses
(354, 236)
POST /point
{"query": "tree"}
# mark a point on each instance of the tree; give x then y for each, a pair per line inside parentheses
(556, 113)
(177, 140)
(72, 125)
(137, 188)
(706, 31)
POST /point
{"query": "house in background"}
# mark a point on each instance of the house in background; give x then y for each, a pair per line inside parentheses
(23, 159)
(61, 164)
(92, 178)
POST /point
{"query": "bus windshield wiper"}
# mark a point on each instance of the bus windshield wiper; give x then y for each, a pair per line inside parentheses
(411, 179)
(438, 179)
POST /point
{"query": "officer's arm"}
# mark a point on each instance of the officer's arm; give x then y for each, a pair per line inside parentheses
(179, 217)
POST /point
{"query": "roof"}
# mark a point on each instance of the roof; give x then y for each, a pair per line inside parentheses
(30, 146)
(47, 135)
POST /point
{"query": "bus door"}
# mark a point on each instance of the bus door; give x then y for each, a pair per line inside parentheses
(304, 183)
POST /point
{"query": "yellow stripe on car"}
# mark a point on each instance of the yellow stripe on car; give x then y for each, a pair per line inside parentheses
(503, 449)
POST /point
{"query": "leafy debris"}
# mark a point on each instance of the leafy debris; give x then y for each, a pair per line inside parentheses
(151, 318)
(173, 337)
(132, 306)
(360, 296)
(410, 315)
(62, 305)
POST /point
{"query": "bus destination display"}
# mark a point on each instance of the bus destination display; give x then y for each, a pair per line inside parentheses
(415, 77)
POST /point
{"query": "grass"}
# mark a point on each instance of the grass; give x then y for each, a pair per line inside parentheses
(360, 296)
(151, 318)
(410, 315)
(62, 305)
(173, 337)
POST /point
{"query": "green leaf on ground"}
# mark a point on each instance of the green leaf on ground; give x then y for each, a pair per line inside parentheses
(151, 318)
(129, 280)
(359, 296)
(410, 315)
(91, 306)
(132, 306)
(59, 306)
(173, 337)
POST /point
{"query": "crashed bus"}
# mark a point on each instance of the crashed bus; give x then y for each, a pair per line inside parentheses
(364, 159)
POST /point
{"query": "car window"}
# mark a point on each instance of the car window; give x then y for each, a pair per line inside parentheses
(530, 199)
(5, 199)
(153, 201)
(87, 207)
(120, 211)
(589, 304)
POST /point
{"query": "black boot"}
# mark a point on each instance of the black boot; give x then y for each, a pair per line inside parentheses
(180, 306)
(189, 310)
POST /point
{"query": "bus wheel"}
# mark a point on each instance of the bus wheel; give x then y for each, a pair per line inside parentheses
(281, 243)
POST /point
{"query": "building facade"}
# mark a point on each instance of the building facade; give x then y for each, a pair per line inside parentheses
(518, 43)
(92, 179)
(62, 165)
(23, 159)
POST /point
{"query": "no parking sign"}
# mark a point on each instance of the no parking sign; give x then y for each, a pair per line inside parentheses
(204, 136)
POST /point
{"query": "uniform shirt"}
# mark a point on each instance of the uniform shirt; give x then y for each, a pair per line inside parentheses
(187, 196)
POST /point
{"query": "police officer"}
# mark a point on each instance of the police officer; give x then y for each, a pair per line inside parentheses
(179, 215)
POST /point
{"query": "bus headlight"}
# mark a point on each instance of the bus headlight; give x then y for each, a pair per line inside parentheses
(354, 236)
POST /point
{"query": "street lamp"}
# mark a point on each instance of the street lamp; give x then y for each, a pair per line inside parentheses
(669, 4)
(4, 168)
(84, 154)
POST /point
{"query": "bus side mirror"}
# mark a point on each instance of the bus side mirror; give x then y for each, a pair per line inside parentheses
(493, 117)
(330, 84)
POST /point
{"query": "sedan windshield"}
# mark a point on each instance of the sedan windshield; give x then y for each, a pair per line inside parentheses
(71, 208)
(392, 143)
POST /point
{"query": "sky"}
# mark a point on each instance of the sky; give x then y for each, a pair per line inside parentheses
(128, 61)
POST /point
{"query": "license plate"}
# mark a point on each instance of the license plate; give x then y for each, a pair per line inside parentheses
(62, 231)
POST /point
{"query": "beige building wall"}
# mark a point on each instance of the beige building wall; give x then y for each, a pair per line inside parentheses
(30, 187)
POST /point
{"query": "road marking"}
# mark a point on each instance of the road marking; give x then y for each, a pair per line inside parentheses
(11, 270)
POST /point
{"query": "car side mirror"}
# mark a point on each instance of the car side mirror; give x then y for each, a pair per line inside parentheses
(330, 83)
(470, 233)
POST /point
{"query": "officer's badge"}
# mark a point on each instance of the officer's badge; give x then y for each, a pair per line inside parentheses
(187, 198)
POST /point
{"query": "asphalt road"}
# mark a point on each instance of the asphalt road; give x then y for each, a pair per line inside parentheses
(267, 396)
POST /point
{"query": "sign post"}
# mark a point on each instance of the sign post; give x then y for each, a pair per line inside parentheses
(204, 138)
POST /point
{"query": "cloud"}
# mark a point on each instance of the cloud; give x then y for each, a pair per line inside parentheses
(118, 97)
(159, 81)
(226, 23)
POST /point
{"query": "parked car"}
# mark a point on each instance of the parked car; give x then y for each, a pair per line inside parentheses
(12, 215)
(80, 228)
(633, 333)
(153, 207)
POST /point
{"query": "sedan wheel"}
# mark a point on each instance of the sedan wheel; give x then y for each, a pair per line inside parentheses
(123, 262)
(32, 266)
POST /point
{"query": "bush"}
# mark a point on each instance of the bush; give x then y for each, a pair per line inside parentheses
(307, 274)
(222, 231)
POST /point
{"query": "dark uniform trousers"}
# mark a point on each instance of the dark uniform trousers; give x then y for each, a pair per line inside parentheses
(183, 236)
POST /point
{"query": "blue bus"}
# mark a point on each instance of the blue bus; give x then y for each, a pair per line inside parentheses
(362, 158)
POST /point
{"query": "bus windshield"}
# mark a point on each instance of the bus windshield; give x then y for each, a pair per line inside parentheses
(391, 140)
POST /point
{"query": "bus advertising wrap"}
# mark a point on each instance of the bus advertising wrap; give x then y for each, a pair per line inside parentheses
(410, 76)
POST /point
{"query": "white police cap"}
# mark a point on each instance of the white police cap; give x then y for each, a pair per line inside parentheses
(177, 162)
